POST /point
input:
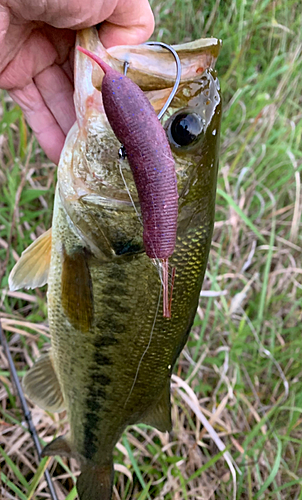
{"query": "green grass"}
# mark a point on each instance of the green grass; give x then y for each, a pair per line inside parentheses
(243, 358)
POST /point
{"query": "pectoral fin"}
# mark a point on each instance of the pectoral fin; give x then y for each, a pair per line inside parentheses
(31, 271)
(77, 298)
(41, 385)
(59, 446)
(159, 416)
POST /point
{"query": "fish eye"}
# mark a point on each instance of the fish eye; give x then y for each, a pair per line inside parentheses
(185, 128)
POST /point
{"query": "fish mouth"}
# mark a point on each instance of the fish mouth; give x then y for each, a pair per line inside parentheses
(93, 182)
(92, 170)
(151, 67)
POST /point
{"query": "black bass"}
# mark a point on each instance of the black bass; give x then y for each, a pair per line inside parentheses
(112, 351)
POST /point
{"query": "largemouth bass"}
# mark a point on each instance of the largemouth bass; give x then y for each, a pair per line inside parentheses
(112, 351)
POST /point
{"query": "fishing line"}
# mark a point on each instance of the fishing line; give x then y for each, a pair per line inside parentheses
(126, 66)
(129, 194)
(146, 349)
(26, 410)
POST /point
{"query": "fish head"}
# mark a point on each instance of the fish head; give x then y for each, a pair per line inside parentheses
(91, 173)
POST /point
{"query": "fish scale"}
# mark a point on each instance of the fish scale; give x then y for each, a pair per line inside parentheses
(112, 351)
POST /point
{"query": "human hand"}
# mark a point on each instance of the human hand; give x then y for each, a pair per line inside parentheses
(36, 60)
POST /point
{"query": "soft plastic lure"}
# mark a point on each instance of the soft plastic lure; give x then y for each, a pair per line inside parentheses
(138, 128)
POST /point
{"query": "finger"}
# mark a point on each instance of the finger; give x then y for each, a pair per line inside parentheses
(45, 127)
(36, 53)
(4, 22)
(73, 14)
(68, 70)
(62, 39)
(12, 37)
(132, 22)
(57, 93)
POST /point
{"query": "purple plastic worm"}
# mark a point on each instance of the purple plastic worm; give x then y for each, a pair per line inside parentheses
(135, 124)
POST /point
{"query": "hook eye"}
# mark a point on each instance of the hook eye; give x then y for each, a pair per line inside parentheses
(126, 66)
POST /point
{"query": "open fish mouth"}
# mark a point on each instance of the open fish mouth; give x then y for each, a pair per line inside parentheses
(153, 69)
(91, 175)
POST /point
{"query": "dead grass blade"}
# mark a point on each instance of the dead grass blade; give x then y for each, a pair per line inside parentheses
(26, 411)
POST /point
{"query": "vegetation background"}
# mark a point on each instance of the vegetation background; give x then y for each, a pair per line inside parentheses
(243, 360)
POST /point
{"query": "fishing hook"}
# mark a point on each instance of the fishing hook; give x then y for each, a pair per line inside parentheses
(178, 75)
(122, 153)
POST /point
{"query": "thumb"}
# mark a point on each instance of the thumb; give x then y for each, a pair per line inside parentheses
(131, 23)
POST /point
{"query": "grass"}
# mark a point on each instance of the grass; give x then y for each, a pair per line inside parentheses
(243, 358)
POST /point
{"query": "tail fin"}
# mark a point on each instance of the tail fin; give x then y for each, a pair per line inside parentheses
(95, 482)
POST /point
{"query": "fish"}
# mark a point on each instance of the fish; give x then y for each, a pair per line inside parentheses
(112, 352)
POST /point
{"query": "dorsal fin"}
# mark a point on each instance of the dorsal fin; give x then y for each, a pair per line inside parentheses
(31, 271)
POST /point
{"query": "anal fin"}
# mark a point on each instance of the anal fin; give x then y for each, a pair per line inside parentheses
(159, 416)
(77, 297)
(31, 270)
(41, 385)
(59, 446)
